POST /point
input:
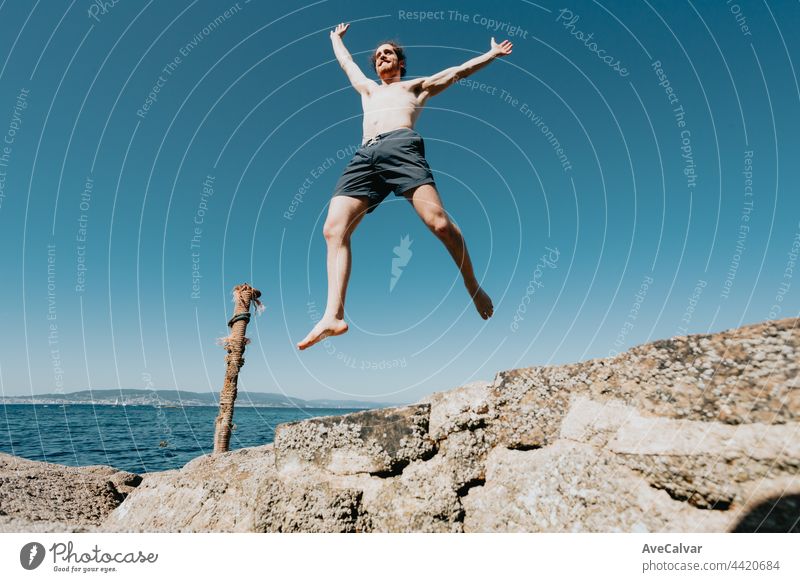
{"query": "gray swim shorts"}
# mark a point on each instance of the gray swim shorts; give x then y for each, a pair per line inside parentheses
(391, 161)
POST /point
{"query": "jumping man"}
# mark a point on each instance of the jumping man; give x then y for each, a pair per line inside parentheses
(391, 158)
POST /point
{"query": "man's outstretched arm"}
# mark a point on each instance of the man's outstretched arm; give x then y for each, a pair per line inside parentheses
(359, 81)
(442, 80)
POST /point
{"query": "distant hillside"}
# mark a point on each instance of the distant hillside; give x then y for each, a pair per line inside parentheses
(136, 397)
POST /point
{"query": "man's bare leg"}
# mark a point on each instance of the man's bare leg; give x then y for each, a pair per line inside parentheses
(428, 205)
(344, 214)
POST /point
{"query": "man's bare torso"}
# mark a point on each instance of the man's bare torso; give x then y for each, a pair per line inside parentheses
(391, 106)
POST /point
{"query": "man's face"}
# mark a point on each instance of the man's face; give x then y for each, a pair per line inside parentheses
(386, 62)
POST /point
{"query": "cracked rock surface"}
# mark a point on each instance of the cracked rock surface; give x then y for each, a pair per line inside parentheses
(45, 497)
(690, 434)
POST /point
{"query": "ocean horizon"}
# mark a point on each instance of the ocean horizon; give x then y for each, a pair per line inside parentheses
(135, 438)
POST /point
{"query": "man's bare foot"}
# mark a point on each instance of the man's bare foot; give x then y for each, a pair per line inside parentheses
(483, 303)
(326, 327)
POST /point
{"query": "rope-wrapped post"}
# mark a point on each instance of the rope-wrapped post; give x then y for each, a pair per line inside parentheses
(234, 345)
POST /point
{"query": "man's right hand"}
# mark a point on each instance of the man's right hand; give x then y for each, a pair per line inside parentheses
(341, 28)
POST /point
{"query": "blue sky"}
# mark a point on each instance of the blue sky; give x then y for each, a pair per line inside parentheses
(627, 174)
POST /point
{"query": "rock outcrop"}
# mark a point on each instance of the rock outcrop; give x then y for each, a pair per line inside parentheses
(691, 434)
(688, 434)
(44, 497)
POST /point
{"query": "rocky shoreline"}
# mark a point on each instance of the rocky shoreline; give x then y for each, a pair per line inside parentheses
(690, 434)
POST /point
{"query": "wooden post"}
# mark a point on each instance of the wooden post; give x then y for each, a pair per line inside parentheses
(234, 345)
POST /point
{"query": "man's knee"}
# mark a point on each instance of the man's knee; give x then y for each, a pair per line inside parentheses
(441, 226)
(344, 214)
(334, 230)
(340, 228)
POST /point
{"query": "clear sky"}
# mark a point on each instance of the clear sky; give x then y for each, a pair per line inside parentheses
(628, 174)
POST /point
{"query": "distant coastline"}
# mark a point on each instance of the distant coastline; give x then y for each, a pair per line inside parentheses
(182, 398)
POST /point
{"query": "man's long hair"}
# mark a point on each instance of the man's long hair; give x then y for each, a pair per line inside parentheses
(398, 50)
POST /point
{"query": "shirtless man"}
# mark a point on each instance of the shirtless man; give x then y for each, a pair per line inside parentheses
(391, 158)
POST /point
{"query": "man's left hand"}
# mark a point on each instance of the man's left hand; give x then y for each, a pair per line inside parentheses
(502, 49)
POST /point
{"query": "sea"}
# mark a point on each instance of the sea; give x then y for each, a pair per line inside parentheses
(139, 439)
